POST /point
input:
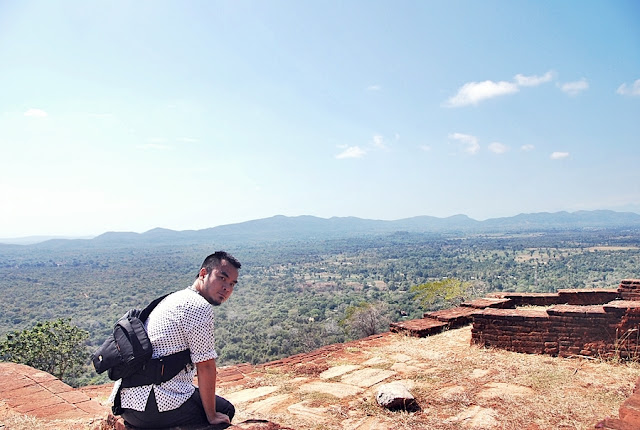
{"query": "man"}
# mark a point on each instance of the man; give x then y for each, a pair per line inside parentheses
(184, 320)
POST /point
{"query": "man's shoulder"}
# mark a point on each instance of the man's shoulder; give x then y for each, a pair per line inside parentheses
(186, 297)
(181, 306)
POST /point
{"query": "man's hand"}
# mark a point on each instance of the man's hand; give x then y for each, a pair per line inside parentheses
(207, 386)
(220, 418)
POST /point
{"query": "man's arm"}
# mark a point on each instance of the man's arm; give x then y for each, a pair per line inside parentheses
(207, 385)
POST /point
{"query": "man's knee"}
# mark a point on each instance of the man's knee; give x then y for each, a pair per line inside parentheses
(224, 406)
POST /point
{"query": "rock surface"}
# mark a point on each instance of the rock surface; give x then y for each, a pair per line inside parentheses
(395, 396)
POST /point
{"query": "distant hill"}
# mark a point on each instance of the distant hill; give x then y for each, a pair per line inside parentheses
(307, 227)
(30, 240)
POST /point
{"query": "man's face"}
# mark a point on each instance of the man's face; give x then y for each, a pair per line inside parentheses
(218, 285)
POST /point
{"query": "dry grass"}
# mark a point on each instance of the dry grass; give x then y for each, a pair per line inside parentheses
(457, 385)
(550, 392)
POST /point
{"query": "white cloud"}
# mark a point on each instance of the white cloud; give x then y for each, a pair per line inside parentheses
(472, 93)
(575, 88)
(559, 155)
(471, 142)
(36, 113)
(378, 141)
(532, 81)
(425, 148)
(352, 152)
(498, 148)
(374, 88)
(527, 147)
(633, 90)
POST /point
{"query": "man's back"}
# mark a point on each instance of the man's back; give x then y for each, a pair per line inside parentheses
(183, 320)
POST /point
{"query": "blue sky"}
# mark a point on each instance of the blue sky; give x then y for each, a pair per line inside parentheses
(131, 115)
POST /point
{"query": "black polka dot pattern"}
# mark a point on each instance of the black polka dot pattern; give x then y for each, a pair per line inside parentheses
(182, 320)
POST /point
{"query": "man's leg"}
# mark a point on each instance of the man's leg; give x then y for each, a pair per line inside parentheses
(191, 412)
(222, 405)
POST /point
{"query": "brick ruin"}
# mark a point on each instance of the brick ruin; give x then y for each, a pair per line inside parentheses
(598, 323)
(593, 323)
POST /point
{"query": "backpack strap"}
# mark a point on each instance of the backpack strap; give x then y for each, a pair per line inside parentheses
(144, 314)
(156, 371)
(159, 370)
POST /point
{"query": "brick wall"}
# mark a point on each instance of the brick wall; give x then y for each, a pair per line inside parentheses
(593, 323)
(563, 330)
(573, 325)
(630, 289)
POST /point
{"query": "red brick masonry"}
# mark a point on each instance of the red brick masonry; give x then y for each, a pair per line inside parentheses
(602, 323)
(30, 391)
(574, 326)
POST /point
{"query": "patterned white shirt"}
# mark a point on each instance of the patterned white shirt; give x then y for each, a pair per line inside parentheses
(182, 320)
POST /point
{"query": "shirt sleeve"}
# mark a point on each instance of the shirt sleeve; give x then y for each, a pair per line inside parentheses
(198, 327)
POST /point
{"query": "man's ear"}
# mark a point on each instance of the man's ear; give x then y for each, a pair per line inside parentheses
(203, 272)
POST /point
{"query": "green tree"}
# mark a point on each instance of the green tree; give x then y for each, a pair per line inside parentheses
(57, 347)
(449, 290)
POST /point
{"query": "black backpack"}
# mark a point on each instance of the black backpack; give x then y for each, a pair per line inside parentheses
(126, 354)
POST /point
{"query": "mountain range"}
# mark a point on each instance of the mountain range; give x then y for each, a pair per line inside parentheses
(308, 227)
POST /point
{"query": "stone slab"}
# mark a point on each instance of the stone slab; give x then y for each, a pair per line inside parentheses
(369, 423)
(27, 390)
(92, 407)
(250, 394)
(61, 412)
(74, 396)
(56, 386)
(476, 417)
(303, 410)
(39, 376)
(367, 377)
(488, 302)
(12, 382)
(421, 327)
(401, 358)
(34, 397)
(336, 371)
(500, 389)
(336, 389)
(266, 406)
(451, 392)
(454, 317)
(39, 407)
(375, 361)
(405, 368)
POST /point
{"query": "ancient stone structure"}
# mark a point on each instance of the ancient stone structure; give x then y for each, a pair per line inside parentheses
(598, 323)
(573, 325)
(31, 391)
